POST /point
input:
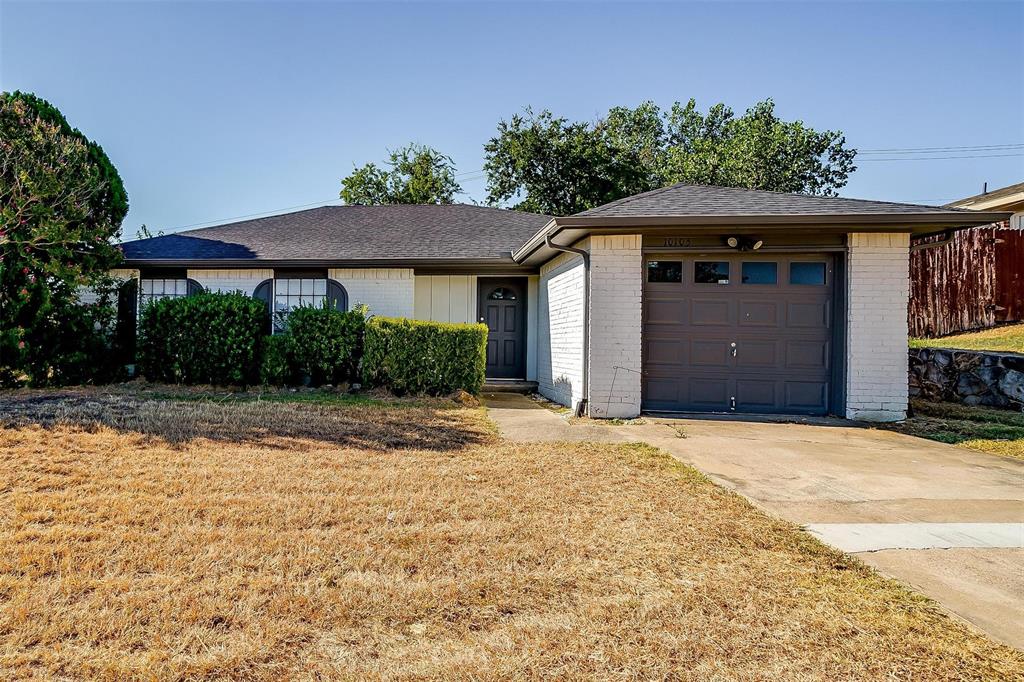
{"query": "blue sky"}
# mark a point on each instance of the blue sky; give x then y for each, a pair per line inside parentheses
(214, 111)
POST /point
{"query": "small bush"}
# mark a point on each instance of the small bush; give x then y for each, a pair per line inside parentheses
(208, 338)
(327, 343)
(410, 356)
(277, 366)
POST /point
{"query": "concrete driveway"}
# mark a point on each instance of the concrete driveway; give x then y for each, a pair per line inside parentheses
(946, 520)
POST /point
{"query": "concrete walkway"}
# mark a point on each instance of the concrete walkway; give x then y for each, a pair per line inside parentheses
(947, 520)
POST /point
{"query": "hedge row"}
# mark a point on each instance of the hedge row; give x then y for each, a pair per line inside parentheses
(207, 338)
(220, 338)
(410, 356)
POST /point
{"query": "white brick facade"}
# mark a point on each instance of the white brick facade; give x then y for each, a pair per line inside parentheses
(225, 281)
(616, 290)
(390, 292)
(560, 300)
(88, 296)
(878, 287)
(387, 291)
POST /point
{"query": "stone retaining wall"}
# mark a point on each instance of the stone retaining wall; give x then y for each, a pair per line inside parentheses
(968, 377)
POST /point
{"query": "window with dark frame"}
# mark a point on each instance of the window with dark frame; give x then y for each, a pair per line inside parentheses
(760, 272)
(294, 292)
(665, 271)
(154, 289)
(807, 273)
(711, 272)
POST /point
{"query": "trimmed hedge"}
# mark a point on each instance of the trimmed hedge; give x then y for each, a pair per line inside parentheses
(326, 344)
(277, 366)
(207, 338)
(410, 356)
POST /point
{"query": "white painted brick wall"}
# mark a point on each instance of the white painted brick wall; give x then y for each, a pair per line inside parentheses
(616, 286)
(87, 296)
(244, 280)
(390, 292)
(560, 299)
(878, 287)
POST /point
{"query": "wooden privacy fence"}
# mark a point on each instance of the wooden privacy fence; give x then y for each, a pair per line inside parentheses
(973, 282)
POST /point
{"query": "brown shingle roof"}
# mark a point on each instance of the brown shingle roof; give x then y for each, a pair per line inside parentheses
(706, 200)
(398, 232)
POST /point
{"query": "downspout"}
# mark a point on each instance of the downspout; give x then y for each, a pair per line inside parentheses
(581, 407)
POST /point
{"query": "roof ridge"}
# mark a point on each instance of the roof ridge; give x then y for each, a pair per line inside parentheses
(253, 220)
(815, 196)
(633, 197)
(650, 193)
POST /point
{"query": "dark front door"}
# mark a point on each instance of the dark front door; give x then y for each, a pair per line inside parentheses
(738, 333)
(502, 307)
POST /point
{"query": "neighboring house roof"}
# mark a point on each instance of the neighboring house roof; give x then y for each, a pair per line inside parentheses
(1010, 198)
(335, 234)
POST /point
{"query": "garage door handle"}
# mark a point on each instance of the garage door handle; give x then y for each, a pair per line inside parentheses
(733, 346)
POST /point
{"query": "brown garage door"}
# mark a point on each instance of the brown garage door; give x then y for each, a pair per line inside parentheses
(738, 333)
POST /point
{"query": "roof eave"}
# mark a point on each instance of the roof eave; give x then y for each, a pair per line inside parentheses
(208, 263)
(876, 222)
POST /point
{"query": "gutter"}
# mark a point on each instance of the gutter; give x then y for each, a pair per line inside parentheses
(863, 222)
(581, 408)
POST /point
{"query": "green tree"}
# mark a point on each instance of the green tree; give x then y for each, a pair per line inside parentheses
(61, 207)
(552, 165)
(418, 175)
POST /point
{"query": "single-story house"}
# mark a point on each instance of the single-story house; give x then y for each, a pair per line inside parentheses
(687, 298)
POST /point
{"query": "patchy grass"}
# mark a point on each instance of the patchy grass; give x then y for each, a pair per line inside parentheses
(1007, 338)
(157, 539)
(1000, 432)
(614, 421)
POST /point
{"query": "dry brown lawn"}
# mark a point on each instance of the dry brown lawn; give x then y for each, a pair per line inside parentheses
(156, 539)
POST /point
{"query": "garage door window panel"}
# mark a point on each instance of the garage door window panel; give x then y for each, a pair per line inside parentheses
(665, 271)
(760, 272)
(807, 273)
(711, 272)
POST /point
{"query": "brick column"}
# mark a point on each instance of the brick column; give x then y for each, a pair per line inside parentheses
(878, 288)
(616, 288)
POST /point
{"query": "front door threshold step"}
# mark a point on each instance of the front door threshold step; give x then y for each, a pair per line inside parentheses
(509, 386)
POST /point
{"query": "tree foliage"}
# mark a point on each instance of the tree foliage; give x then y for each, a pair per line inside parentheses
(61, 207)
(551, 165)
(418, 174)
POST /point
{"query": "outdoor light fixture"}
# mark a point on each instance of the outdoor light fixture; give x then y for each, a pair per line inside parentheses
(744, 243)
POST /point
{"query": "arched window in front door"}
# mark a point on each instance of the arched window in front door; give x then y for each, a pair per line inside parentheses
(502, 294)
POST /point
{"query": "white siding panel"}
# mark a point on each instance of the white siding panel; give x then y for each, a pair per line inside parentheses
(440, 298)
(446, 298)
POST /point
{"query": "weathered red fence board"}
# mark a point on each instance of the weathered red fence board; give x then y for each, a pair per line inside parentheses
(974, 281)
(1010, 275)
